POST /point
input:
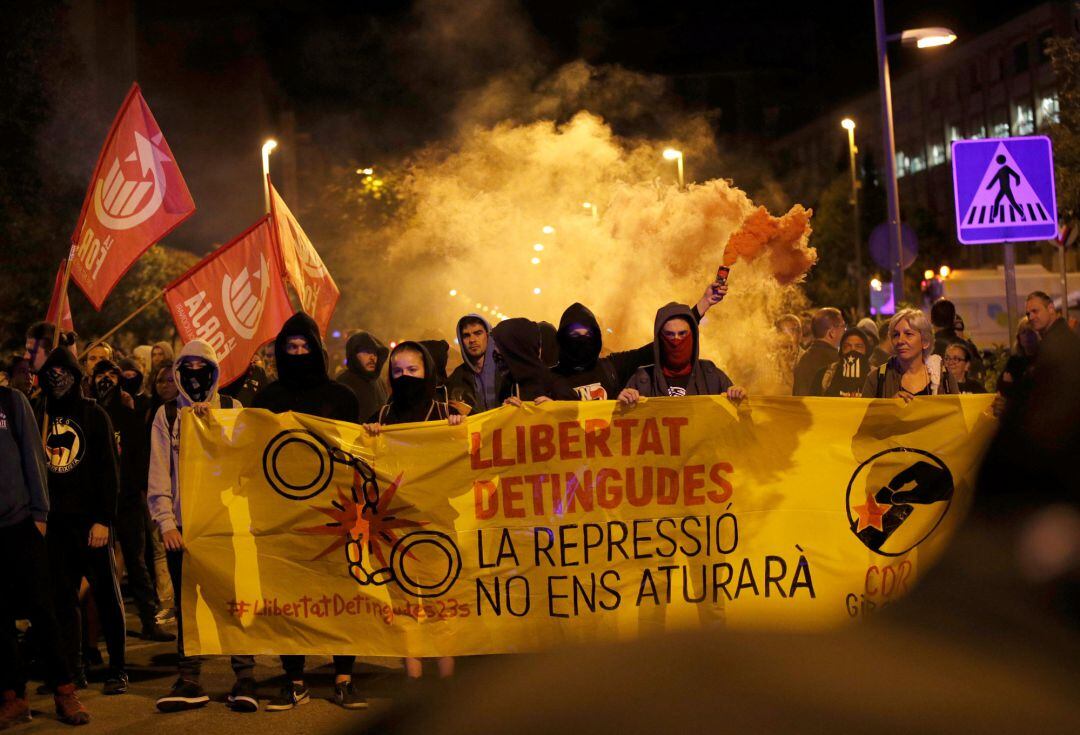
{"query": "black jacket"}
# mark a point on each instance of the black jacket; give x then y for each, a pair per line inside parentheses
(478, 387)
(247, 386)
(947, 336)
(303, 385)
(427, 407)
(80, 450)
(818, 357)
(521, 344)
(131, 446)
(705, 378)
(368, 387)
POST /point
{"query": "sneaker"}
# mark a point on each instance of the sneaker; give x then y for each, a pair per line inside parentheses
(292, 694)
(68, 707)
(152, 631)
(15, 710)
(166, 615)
(80, 679)
(345, 696)
(185, 694)
(116, 683)
(244, 696)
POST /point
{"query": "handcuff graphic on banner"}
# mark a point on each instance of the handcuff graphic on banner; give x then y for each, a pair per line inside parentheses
(324, 457)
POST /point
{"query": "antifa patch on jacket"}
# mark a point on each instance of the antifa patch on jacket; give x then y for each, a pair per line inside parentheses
(65, 445)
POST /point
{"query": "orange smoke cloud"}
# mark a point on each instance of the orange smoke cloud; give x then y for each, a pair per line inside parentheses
(782, 238)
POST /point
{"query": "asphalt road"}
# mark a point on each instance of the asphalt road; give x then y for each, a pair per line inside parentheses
(152, 668)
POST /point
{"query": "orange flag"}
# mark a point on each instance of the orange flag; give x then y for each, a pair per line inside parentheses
(234, 298)
(306, 271)
(59, 296)
(136, 197)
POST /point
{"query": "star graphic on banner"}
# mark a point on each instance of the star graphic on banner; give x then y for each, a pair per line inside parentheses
(870, 513)
(350, 520)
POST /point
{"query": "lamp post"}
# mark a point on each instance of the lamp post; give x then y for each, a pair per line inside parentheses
(267, 147)
(849, 125)
(922, 38)
(671, 154)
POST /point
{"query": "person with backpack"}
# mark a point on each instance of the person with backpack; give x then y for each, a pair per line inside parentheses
(196, 376)
(912, 370)
(25, 587)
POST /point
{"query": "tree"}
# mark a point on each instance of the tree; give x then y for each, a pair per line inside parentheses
(1065, 61)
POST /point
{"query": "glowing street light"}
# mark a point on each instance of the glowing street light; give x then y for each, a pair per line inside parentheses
(535, 261)
(875, 283)
(849, 125)
(267, 147)
(928, 274)
(548, 230)
(538, 247)
(453, 292)
(671, 154)
(536, 291)
(922, 38)
(944, 271)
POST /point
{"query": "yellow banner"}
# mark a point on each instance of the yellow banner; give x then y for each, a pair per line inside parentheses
(525, 528)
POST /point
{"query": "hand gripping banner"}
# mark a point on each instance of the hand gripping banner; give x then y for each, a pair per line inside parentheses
(527, 528)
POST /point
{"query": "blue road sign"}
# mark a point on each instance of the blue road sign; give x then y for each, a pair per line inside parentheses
(1004, 190)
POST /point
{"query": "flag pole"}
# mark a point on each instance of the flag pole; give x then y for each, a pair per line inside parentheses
(64, 279)
(126, 319)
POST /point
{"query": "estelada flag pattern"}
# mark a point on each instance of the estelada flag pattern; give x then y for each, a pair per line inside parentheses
(59, 297)
(234, 299)
(136, 197)
(305, 269)
(525, 528)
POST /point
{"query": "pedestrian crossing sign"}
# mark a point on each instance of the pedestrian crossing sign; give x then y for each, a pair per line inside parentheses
(1004, 190)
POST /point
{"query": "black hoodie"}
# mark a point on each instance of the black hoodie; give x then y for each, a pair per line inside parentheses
(705, 379)
(421, 406)
(369, 389)
(581, 371)
(130, 438)
(303, 385)
(521, 345)
(80, 449)
(439, 349)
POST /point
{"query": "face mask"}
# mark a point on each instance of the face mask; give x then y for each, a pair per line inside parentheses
(580, 351)
(58, 382)
(132, 385)
(103, 387)
(196, 381)
(677, 355)
(407, 389)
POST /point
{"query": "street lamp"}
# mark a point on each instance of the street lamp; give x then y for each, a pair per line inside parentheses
(849, 125)
(268, 146)
(670, 154)
(921, 38)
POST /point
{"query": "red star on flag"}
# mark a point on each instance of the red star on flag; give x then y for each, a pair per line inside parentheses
(870, 513)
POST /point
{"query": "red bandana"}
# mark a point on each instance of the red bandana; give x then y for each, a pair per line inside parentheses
(677, 355)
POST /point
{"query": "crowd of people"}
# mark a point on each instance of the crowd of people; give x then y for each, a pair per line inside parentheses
(105, 485)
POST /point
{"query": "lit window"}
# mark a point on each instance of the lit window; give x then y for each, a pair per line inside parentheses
(1000, 130)
(1050, 109)
(977, 131)
(901, 164)
(917, 164)
(1025, 119)
(937, 154)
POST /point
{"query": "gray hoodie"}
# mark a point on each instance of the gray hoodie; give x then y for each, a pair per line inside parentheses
(163, 486)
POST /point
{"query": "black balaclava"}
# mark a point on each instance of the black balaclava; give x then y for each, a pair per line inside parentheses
(61, 387)
(520, 346)
(300, 371)
(577, 354)
(196, 382)
(105, 387)
(410, 397)
(132, 386)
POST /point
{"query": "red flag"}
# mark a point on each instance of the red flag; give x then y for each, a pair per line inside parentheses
(234, 298)
(136, 197)
(66, 323)
(308, 275)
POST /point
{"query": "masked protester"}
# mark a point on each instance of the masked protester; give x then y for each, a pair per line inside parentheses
(477, 381)
(365, 357)
(845, 377)
(25, 583)
(413, 398)
(677, 369)
(131, 513)
(196, 376)
(519, 352)
(304, 386)
(83, 487)
(581, 374)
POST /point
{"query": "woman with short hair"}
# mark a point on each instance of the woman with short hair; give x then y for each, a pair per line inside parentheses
(912, 370)
(958, 363)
